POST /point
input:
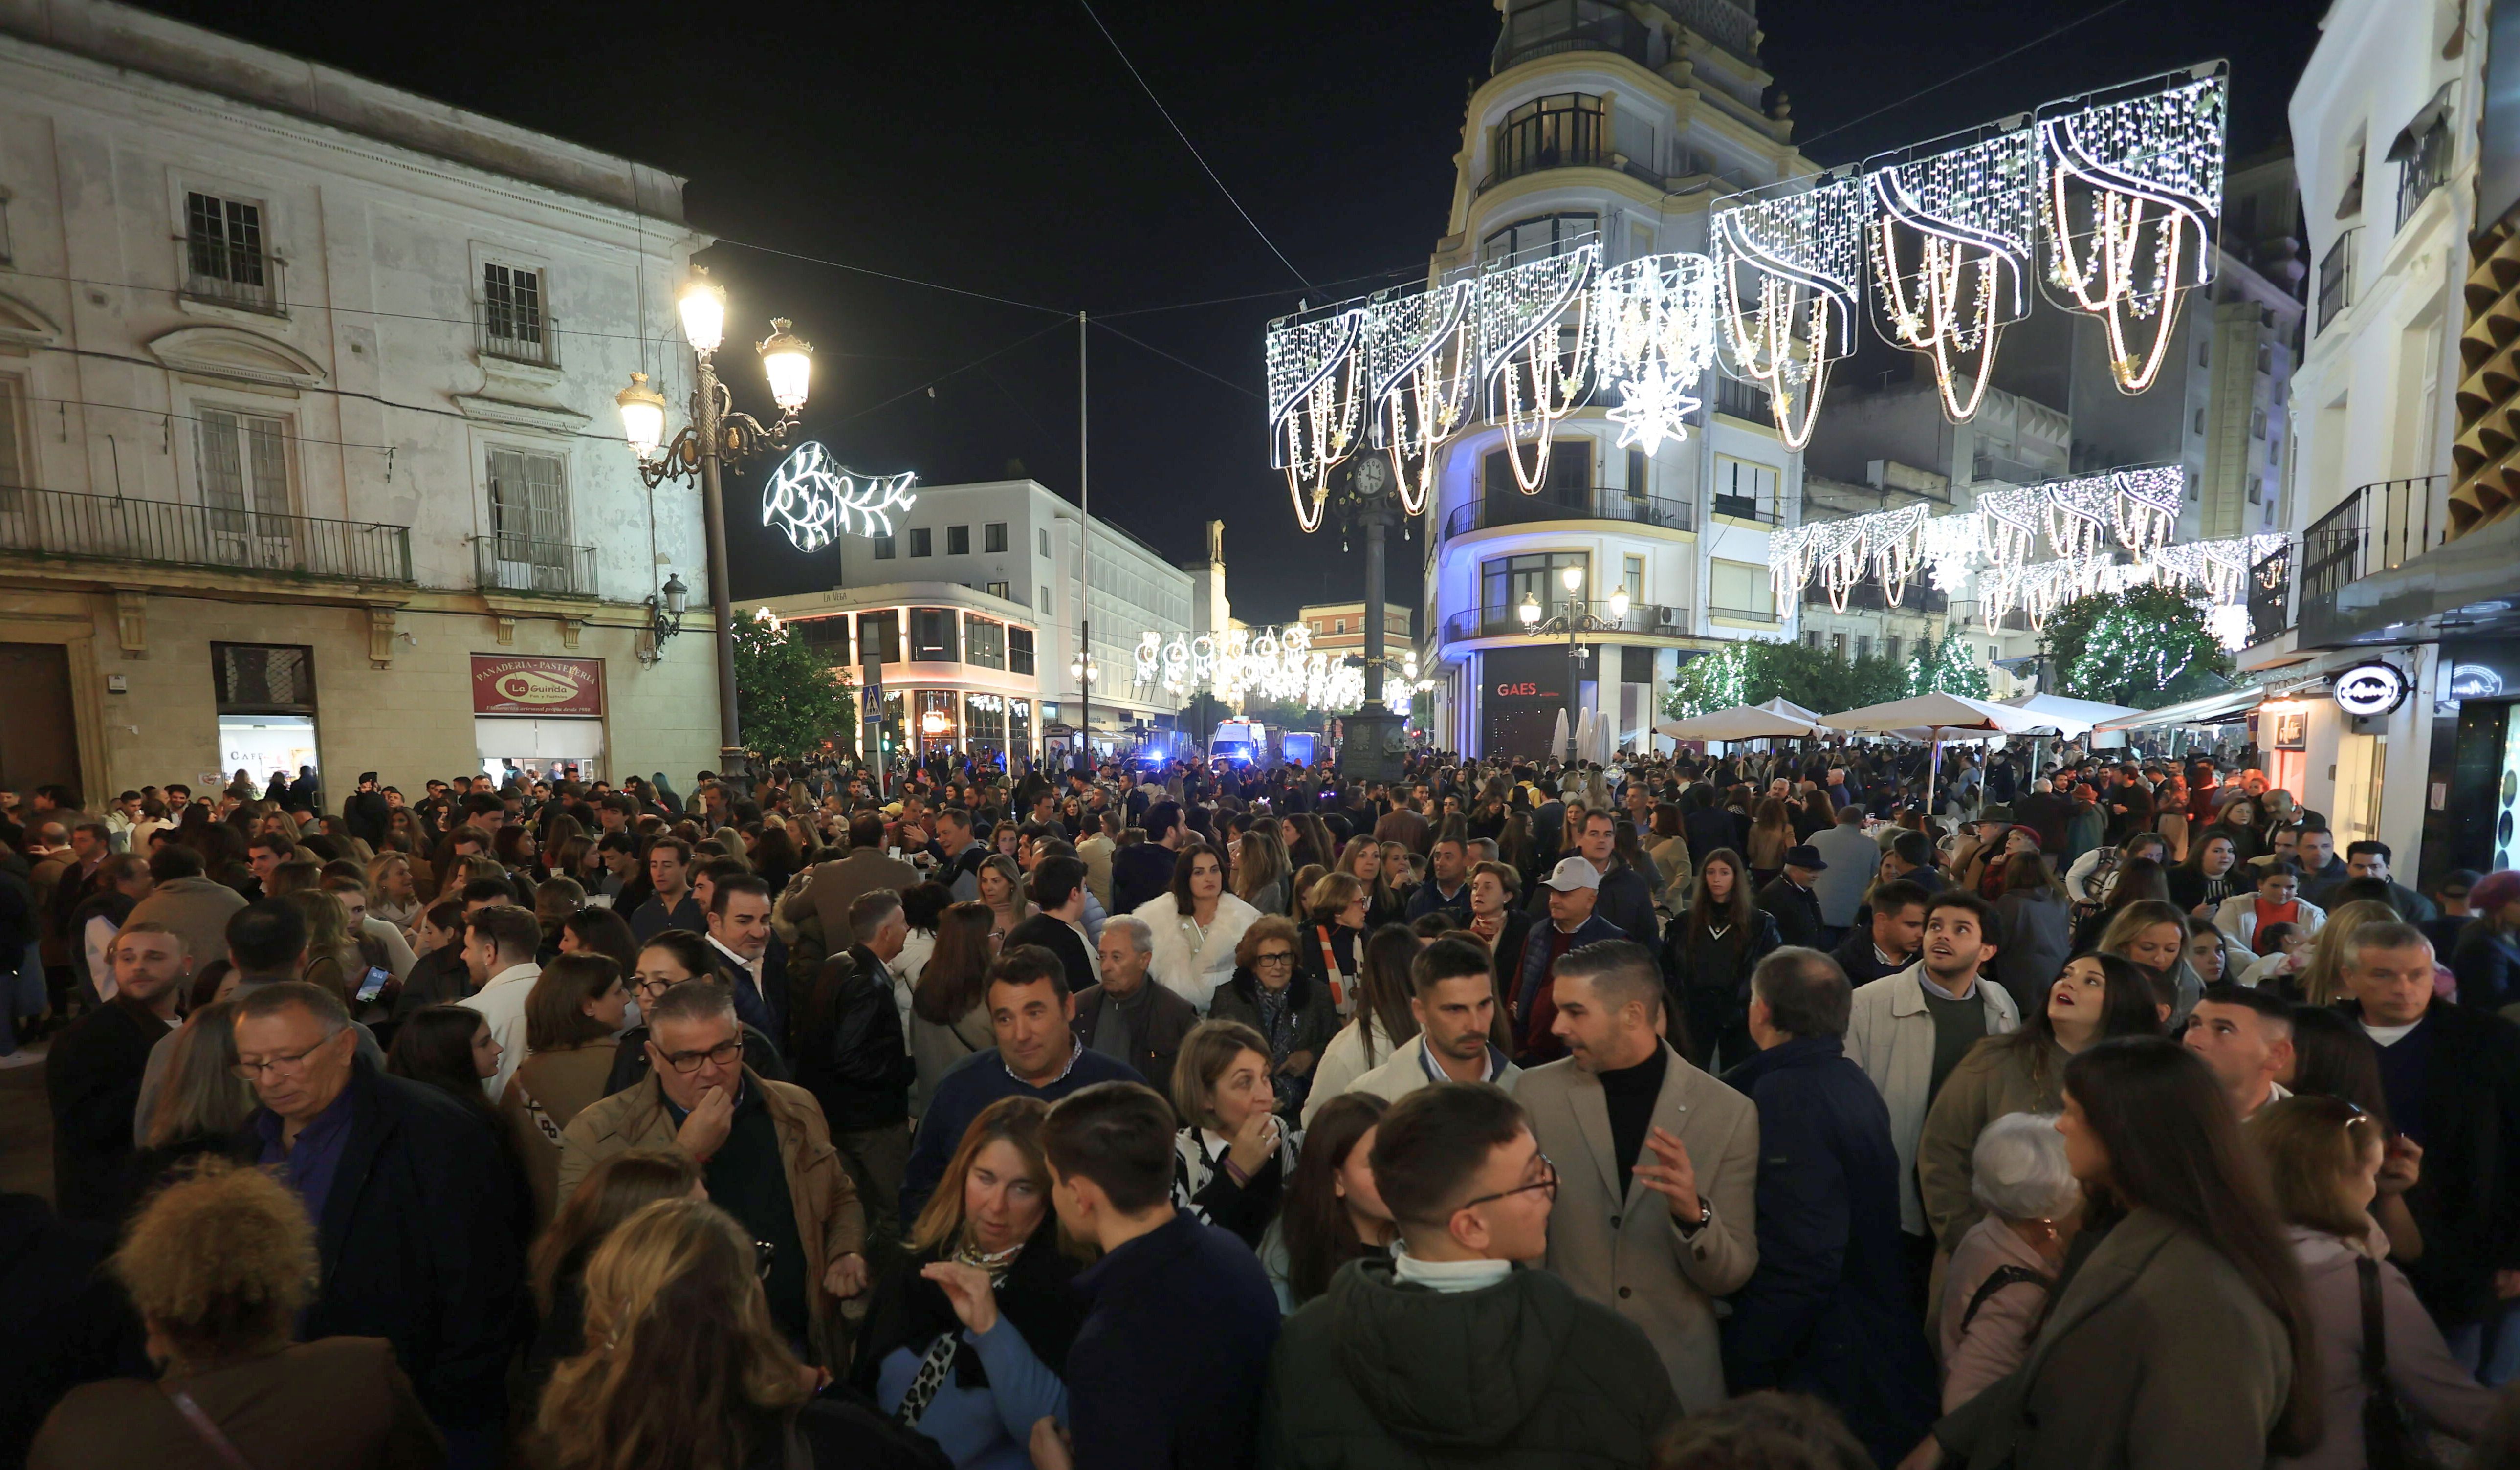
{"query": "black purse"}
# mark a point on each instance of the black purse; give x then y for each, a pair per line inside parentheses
(2390, 1438)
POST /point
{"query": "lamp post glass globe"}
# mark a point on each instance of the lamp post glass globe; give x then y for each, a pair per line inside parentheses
(1529, 611)
(1573, 577)
(677, 597)
(1619, 605)
(702, 304)
(788, 360)
(643, 416)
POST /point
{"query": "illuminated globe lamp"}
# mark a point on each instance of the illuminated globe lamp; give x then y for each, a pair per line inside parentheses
(1529, 611)
(702, 306)
(788, 360)
(643, 416)
(934, 722)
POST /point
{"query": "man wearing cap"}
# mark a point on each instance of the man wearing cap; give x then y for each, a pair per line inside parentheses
(1790, 899)
(2451, 893)
(1573, 887)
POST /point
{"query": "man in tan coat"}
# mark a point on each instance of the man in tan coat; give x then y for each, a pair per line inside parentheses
(763, 1149)
(1657, 1162)
(819, 910)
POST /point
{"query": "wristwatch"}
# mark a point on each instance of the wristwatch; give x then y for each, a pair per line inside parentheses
(1705, 1218)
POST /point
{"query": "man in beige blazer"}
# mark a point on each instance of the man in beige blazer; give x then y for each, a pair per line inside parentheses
(1660, 1238)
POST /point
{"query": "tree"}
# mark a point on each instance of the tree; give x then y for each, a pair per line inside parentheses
(2143, 647)
(1754, 671)
(788, 701)
(1944, 666)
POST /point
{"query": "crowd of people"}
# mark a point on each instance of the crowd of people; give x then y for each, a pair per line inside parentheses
(1774, 1110)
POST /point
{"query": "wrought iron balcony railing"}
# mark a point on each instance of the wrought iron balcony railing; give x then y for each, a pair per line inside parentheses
(2374, 528)
(59, 524)
(505, 562)
(1650, 618)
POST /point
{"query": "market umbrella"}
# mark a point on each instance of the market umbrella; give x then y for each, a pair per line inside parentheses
(1781, 705)
(1557, 735)
(2070, 718)
(1584, 735)
(1936, 718)
(1740, 722)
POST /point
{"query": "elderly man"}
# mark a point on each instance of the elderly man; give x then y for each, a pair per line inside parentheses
(2452, 1076)
(762, 1150)
(415, 1215)
(1127, 1019)
(1572, 887)
(1658, 1162)
(93, 1075)
(2245, 1036)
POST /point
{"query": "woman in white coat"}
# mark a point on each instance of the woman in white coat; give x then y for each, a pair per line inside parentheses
(2276, 900)
(1196, 927)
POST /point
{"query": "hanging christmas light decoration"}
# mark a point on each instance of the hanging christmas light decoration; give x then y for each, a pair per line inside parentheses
(1315, 402)
(2082, 514)
(1653, 319)
(1789, 264)
(2146, 509)
(1422, 366)
(1950, 546)
(2130, 190)
(815, 500)
(1897, 542)
(1951, 239)
(1526, 313)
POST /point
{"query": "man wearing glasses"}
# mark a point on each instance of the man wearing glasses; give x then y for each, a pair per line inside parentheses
(1371, 1372)
(413, 1209)
(763, 1149)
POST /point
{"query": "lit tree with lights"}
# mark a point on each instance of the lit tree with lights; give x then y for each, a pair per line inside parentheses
(2143, 647)
(789, 699)
(1946, 666)
(1720, 679)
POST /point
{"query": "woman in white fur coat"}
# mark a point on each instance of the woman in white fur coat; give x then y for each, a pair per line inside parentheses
(1196, 927)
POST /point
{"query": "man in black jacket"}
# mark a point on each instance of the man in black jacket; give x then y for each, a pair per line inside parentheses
(94, 1072)
(850, 1055)
(365, 812)
(1127, 1017)
(2451, 1074)
(1788, 897)
(1889, 941)
(414, 1214)
(1143, 870)
(1058, 894)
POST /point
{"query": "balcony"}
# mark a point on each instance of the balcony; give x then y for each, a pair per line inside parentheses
(505, 562)
(1918, 597)
(224, 274)
(2423, 170)
(2336, 277)
(1546, 27)
(1589, 502)
(2271, 596)
(1649, 619)
(58, 525)
(1742, 400)
(2376, 528)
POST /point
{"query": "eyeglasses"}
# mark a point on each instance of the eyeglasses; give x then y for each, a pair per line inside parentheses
(1275, 956)
(722, 1053)
(1547, 1184)
(287, 1064)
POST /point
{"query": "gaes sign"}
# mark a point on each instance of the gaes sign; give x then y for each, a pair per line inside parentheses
(2370, 689)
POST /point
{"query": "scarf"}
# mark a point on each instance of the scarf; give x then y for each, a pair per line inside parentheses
(1035, 1296)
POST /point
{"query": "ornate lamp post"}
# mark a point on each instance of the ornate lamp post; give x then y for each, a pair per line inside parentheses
(1366, 497)
(716, 437)
(1575, 621)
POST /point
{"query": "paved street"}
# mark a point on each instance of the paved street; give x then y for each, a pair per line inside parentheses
(26, 1133)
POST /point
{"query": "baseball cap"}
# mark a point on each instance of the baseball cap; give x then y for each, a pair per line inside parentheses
(1806, 855)
(1572, 873)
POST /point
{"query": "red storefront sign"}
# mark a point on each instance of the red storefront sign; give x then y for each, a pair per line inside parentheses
(537, 685)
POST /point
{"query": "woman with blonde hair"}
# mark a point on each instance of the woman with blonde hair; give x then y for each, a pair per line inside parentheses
(1233, 1154)
(613, 1191)
(1337, 909)
(333, 960)
(1361, 860)
(219, 1265)
(2322, 982)
(201, 1102)
(393, 890)
(1772, 832)
(966, 1341)
(1002, 889)
(685, 1369)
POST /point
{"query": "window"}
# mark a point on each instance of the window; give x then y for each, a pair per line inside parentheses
(1741, 590)
(2265, 357)
(1044, 541)
(12, 463)
(1538, 237)
(1341, 627)
(2204, 351)
(1044, 605)
(1893, 642)
(1745, 489)
(530, 548)
(1837, 644)
(1810, 638)
(920, 543)
(879, 637)
(1505, 582)
(244, 470)
(1639, 472)
(999, 590)
(984, 722)
(1631, 576)
(264, 679)
(1019, 650)
(2274, 450)
(224, 259)
(2200, 421)
(828, 637)
(1550, 132)
(2256, 424)
(984, 642)
(931, 636)
(993, 536)
(958, 541)
(1864, 645)
(2257, 490)
(512, 314)
(885, 547)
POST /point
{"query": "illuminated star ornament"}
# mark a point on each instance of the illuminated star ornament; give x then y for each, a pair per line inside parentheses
(1654, 317)
(816, 500)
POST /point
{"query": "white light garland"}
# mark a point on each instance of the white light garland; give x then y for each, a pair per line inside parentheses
(2081, 514)
(2129, 191)
(1654, 321)
(1422, 370)
(1790, 267)
(2146, 509)
(1523, 312)
(1969, 214)
(816, 500)
(1316, 403)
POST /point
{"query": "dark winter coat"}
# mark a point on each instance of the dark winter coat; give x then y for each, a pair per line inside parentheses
(849, 1050)
(93, 1077)
(2467, 1201)
(1795, 908)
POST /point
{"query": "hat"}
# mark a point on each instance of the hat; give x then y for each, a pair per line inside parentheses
(1572, 873)
(1994, 810)
(1806, 855)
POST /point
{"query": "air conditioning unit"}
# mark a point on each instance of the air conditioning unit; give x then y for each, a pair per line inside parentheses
(1675, 617)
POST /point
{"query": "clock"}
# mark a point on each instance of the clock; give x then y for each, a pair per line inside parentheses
(1372, 475)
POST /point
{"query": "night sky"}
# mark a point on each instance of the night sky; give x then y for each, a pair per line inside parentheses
(1004, 149)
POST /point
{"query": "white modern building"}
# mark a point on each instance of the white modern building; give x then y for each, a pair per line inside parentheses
(1617, 123)
(308, 451)
(974, 606)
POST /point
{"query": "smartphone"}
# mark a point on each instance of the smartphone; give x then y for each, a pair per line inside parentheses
(374, 984)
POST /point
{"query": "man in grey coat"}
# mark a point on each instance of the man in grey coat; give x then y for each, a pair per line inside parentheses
(1853, 858)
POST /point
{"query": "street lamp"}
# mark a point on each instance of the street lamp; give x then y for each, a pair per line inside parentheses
(716, 437)
(1574, 620)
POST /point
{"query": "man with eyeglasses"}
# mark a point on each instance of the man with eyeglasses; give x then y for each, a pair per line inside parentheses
(763, 1149)
(1372, 1372)
(1654, 1220)
(414, 1212)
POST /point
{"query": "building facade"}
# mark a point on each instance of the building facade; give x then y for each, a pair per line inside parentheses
(1339, 626)
(1616, 124)
(308, 453)
(977, 605)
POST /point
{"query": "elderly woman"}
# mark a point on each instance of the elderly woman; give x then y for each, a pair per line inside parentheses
(1233, 1154)
(1196, 926)
(219, 1265)
(1269, 994)
(1999, 1279)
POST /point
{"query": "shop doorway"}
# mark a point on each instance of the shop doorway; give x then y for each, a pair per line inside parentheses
(2362, 766)
(38, 732)
(540, 748)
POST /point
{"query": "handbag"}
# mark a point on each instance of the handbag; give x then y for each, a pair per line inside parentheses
(2390, 1438)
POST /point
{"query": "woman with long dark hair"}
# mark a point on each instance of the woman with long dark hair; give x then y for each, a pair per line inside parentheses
(949, 1013)
(2095, 997)
(2211, 874)
(2190, 1280)
(2038, 926)
(1708, 952)
(1332, 1213)
(1382, 1023)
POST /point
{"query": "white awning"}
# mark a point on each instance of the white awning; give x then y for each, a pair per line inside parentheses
(2213, 709)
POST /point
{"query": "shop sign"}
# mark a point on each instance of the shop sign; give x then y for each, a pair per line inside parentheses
(537, 685)
(2370, 689)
